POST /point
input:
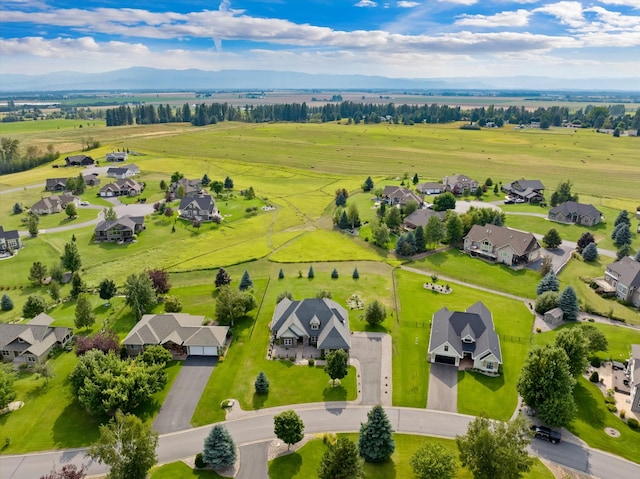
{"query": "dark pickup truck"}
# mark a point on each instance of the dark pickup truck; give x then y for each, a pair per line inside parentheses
(548, 434)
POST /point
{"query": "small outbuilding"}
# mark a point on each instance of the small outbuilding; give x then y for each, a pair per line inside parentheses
(554, 316)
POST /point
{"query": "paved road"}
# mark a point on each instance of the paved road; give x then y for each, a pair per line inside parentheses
(336, 417)
(180, 404)
(253, 461)
(368, 350)
(443, 388)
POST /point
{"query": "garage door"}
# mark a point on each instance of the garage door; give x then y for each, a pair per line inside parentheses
(445, 360)
(203, 350)
(210, 351)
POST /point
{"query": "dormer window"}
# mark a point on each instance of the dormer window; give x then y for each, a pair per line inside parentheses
(314, 323)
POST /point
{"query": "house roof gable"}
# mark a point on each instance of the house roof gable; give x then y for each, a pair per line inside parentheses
(501, 236)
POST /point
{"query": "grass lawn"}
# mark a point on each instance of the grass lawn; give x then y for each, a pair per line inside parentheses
(577, 270)
(180, 470)
(496, 397)
(593, 417)
(304, 462)
(455, 264)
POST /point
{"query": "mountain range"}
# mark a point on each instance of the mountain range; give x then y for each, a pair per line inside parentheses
(152, 79)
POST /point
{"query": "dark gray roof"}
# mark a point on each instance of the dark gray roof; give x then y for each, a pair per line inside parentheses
(52, 182)
(421, 217)
(627, 271)
(295, 318)
(126, 221)
(179, 328)
(581, 209)
(476, 323)
(522, 185)
(501, 236)
(9, 234)
(203, 202)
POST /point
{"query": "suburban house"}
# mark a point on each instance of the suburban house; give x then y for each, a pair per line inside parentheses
(30, 343)
(457, 335)
(91, 180)
(458, 184)
(531, 191)
(181, 334)
(79, 160)
(502, 244)
(56, 184)
(201, 208)
(125, 187)
(116, 156)
(121, 230)
(54, 204)
(430, 188)
(321, 323)
(578, 213)
(190, 188)
(9, 240)
(399, 195)
(624, 276)
(633, 373)
(122, 172)
(422, 217)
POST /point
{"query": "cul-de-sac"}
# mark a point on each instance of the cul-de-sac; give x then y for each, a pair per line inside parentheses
(212, 289)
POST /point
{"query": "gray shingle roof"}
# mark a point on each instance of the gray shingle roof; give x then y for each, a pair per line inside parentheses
(402, 195)
(179, 328)
(35, 337)
(9, 234)
(476, 322)
(421, 217)
(627, 271)
(581, 209)
(202, 202)
(522, 185)
(294, 318)
(126, 221)
(501, 236)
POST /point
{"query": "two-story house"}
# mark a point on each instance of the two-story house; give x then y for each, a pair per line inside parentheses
(201, 208)
(458, 184)
(624, 276)
(502, 244)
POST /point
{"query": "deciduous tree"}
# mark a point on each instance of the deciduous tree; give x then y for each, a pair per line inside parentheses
(552, 239)
(585, 239)
(341, 461)
(376, 442)
(172, 304)
(219, 449)
(139, 294)
(232, 305)
(160, 280)
(576, 346)
(445, 201)
(375, 313)
(37, 273)
(104, 341)
(288, 427)
(68, 471)
(222, 278)
(70, 210)
(546, 301)
(107, 289)
(433, 461)
(70, 258)
(337, 364)
(32, 225)
(34, 305)
(7, 389)
(393, 218)
(110, 214)
(380, 234)
(454, 228)
(84, 315)
(434, 232)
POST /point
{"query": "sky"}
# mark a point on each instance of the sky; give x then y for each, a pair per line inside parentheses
(398, 39)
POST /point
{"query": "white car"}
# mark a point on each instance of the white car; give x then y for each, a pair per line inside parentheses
(84, 203)
(519, 200)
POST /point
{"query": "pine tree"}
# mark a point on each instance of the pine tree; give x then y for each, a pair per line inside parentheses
(310, 274)
(623, 252)
(622, 218)
(71, 257)
(376, 442)
(590, 252)
(6, 304)
(343, 222)
(222, 278)
(421, 244)
(568, 303)
(84, 316)
(245, 282)
(261, 384)
(334, 274)
(77, 285)
(281, 274)
(355, 274)
(368, 184)
(415, 179)
(219, 449)
(548, 283)
(341, 200)
(497, 220)
(623, 235)
(228, 183)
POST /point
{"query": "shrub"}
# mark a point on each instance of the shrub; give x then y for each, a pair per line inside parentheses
(595, 362)
(612, 407)
(633, 423)
(538, 330)
(200, 461)
(595, 377)
(312, 362)
(623, 413)
(334, 274)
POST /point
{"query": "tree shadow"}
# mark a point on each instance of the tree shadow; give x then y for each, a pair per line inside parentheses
(259, 400)
(286, 467)
(338, 393)
(588, 407)
(385, 469)
(74, 427)
(491, 383)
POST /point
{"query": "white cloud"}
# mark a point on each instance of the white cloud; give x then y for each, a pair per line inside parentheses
(405, 4)
(366, 3)
(519, 18)
(625, 3)
(460, 2)
(83, 47)
(569, 13)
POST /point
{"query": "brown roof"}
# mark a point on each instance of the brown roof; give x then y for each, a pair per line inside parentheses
(501, 236)
(179, 328)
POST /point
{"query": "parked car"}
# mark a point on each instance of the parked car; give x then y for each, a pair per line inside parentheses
(546, 433)
(84, 203)
(519, 200)
(509, 201)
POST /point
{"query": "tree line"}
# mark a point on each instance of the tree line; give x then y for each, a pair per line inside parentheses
(12, 160)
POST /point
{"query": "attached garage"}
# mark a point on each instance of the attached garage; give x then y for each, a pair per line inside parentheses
(203, 350)
(445, 360)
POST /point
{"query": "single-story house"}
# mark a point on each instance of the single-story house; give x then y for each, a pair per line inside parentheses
(430, 188)
(9, 240)
(120, 230)
(30, 343)
(502, 244)
(318, 322)
(116, 156)
(122, 172)
(554, 316)
(91, 180)
(456, 335)
(125, 187)
(531, 191)
(458, 184)
(56, 184)
(422, 217)
(202, 208)
(578, 213)
(181, 334)
(79, 160)
(624, 276)
(633, 373)
(190, 188)
(399, 195)
(54, 204)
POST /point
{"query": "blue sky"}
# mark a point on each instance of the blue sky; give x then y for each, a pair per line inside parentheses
(409, 38)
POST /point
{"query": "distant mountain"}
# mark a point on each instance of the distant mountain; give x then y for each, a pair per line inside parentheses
(153, 79)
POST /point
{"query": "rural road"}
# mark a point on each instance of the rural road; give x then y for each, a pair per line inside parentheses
(334, 417)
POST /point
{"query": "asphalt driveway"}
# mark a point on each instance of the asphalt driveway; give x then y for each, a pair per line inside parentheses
(254, 461)
(180, 404)
(367, 349)
(443, 388)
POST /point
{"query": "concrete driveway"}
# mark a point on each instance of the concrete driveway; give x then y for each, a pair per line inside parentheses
(180, 404)
(253, 461)
(443, 388)
(367, 349)
(559, 257)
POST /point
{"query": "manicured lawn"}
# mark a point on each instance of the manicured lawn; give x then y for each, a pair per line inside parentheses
(496, 397)
(455, 264)
(593, 417)
(304, 462)
(180, 470)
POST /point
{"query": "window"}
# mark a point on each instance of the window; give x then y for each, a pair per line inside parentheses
(31, 359)
(5, 353)
(287, 341)
(489, 365)
(313, 339)
(446, 348)
(133, 346)
(315, 326)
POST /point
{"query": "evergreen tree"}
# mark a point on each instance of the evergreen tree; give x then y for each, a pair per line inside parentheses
(228, 183)
(623, 235)
(622, 218)
(548, 283)
(222, 278)
(568, 303)
(615, 230)
(245, 282)
(495, 189)
(17, 209)
(77, 285)
(637, 258)
(623, 252)
(261, 384)
(281, 274)
(590, 252)
(310, 274)
(376, 442)
(421, 243)
(355, 274)
(219, 449)
(205, 180)
(341, 200)
(6, 304)
(34, 305)
(343, 223)
(37, 273)
(84, 316)
(585, 239)
(375, 313)
(497, 220)
(415, 179)
(334, 274)
(71, 257)
(110, 214)
(341, 461)
(32, 225)
(368, 184)
(107, 289)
